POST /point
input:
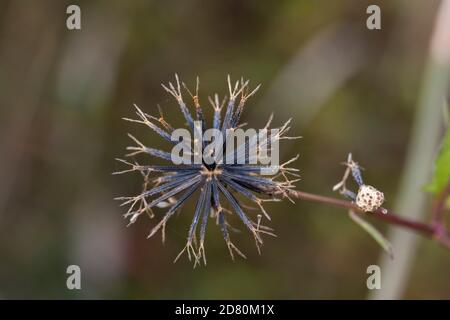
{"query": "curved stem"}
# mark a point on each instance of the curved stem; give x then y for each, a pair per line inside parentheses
(430, 230)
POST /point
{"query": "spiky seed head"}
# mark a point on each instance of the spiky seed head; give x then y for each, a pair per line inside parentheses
(215, 183)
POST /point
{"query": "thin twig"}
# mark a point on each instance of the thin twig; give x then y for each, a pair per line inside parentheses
(430, 230)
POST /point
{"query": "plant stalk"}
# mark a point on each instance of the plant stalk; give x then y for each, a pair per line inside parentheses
(437, 232)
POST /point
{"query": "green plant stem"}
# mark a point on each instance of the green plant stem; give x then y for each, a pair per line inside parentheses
(435, 231)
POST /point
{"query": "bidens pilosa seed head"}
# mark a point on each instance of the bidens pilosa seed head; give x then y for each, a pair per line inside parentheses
(217, 184)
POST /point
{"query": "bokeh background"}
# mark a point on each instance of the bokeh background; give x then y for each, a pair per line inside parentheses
(63, 94)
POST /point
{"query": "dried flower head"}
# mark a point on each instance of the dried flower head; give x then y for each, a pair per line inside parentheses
(368, 199)
(216, 182)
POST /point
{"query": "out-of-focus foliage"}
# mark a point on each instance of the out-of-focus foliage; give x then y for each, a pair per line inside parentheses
(441, 175)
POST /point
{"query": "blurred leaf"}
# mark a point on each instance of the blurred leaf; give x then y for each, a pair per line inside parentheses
(442, 167)
(446, 114)
(374, 233)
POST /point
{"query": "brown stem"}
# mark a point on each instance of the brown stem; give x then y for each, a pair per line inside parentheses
(429, 230)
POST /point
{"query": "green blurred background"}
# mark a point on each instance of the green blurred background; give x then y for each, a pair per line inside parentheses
(63, 94)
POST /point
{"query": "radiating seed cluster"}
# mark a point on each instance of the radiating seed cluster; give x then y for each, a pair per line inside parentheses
(170, 186)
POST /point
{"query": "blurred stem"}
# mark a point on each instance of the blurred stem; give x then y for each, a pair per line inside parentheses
(437, 232)
(372, 231)
(419, 160)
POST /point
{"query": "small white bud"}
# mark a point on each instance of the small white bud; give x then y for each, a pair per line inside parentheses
(369, 199)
